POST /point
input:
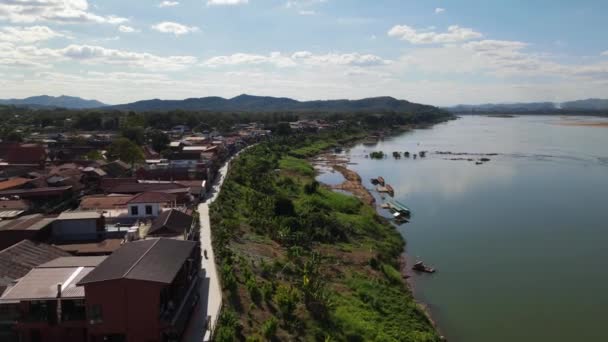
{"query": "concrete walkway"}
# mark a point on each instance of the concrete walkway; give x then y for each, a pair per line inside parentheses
(210, 302)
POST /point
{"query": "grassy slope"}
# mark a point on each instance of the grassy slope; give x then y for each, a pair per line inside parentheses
(305, 263)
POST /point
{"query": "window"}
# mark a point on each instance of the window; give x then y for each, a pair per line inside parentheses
(95, 314)
(134, 210)
(148, 210)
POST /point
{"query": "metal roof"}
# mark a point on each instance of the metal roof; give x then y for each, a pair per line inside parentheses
(152, 197)
(41, 284)
(79, 215)
(18, 259)
(171, 222)
(154, 260)
(28, 222)
(74, 261)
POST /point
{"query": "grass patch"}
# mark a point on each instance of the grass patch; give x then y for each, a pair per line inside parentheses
(297, 165)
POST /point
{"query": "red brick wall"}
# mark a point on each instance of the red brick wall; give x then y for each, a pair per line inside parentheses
(129, 307)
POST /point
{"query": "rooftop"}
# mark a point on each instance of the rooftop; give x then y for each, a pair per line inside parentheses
(171, 222)
(36, 192)
(103, 201)
(18, 259)
(79, 215)
(13, 183)
(154, 260)
(28, 222)
(152, 197)
(107, 246)
(142, 187)
(41, 282)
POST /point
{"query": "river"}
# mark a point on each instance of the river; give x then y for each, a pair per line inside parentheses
(520, 242)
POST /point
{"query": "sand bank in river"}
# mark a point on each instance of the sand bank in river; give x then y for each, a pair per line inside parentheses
(352, 181)
(603, 124)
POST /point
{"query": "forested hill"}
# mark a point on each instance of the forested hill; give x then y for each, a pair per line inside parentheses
(588, 106)
(46, 101)
(249, 103)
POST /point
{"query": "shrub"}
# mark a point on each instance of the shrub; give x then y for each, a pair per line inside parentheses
(287, 299)
(269, 328)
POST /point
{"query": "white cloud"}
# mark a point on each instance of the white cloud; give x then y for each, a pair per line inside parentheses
(30, 34)
(32, 56)
(168, 4)
(127, 29)
(274, 58)
(605, 53)
(226, 2)
(454, 34)
(302, 3)
(174, 28)
(101, 55)
(307, 12)
(303, 58)
(439, 10)
(59, 11)
(348, 59)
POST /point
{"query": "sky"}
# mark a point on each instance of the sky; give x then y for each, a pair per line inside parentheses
(439, 52)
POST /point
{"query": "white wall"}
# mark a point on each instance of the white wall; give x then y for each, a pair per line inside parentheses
(141, 211)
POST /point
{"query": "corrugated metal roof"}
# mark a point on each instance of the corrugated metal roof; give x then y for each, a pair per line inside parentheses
(171, 222)
(28, 222)
(79, 215)
(13, 183)
(104, 202)
(18, 259)
(155, 260)
(41, 284)
(10, 213)
(74, 261)
(152, 197)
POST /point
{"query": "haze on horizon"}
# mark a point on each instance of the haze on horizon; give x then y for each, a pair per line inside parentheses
(435, 52)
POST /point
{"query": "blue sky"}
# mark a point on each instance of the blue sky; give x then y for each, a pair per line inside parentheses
(439, 52)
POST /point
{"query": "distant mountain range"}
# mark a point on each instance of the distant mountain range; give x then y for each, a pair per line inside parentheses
(45, 101)
(249, 103)
(589, 105)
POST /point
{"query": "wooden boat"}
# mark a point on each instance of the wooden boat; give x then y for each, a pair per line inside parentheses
(400, 218)
(390, 190)
(419, 266)
(399, 207)
(380, 181)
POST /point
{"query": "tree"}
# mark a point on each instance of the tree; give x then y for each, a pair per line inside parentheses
(159, 140)
(125, 150)
(93, 155)
(13, 137)
(283, 128)
(135, 134)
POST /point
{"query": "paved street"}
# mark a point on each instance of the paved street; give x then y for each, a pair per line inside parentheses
(211, 290)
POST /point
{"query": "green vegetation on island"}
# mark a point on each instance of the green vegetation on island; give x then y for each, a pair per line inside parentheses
(301, 262)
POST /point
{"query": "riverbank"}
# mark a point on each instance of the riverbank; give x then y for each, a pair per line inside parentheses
(273, 227)
(353, 185)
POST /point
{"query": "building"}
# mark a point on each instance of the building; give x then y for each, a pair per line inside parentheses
(15, 262)
(145, 291)
(46, 304)
(34, 227)
(20, 258)
(78, 226)
(172, 223)
(150, 204)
